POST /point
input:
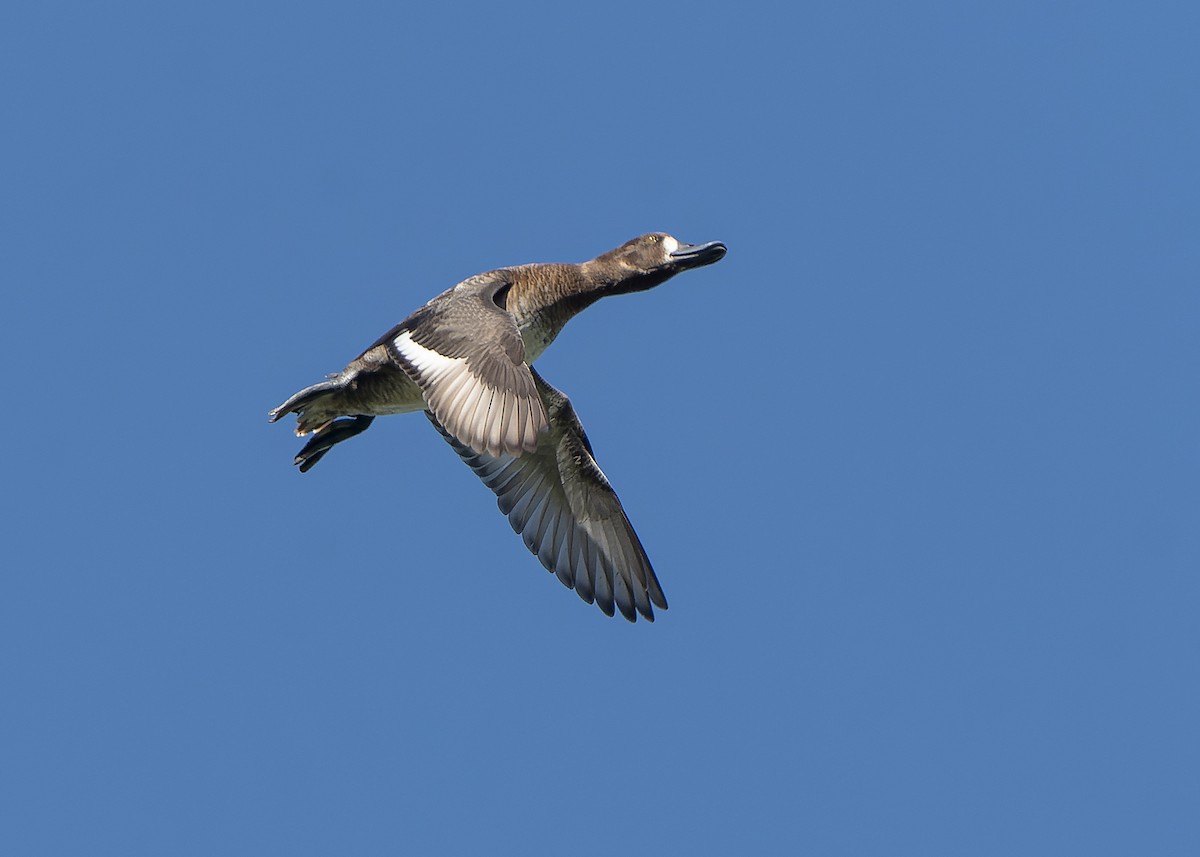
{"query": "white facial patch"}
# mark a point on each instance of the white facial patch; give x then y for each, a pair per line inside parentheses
(670, 244)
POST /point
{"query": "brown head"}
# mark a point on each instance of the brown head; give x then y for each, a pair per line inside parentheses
(651, 259)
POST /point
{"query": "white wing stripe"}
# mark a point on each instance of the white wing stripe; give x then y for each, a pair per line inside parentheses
(424, 360)
(486, 418)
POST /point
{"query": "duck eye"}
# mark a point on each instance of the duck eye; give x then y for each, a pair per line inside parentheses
(654, 239)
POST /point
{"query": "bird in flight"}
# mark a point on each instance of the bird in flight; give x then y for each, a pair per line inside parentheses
(466, 360)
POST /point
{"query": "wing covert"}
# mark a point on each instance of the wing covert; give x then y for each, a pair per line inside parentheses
(467, 355)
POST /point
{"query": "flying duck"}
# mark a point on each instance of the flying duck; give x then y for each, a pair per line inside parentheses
(465, 359)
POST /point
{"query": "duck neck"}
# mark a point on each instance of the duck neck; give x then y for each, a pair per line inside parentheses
(545, 297)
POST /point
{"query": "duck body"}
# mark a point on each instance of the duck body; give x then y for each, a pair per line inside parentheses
(465, 358)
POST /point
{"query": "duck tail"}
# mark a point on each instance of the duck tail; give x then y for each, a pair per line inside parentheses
(300, 402)
(313, 418)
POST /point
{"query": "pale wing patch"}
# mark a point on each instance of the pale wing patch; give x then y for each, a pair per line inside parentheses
(488, 419)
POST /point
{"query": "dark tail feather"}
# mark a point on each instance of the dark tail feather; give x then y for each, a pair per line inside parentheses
(326, 438)
(297, 403)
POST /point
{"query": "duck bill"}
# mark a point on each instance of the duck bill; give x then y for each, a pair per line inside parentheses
(698, 255)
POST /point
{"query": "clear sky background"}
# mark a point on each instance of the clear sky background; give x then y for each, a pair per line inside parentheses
(917, 463)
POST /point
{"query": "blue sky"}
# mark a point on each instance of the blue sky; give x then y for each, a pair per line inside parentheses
(916, 463)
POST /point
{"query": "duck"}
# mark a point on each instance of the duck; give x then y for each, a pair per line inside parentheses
(465, 359)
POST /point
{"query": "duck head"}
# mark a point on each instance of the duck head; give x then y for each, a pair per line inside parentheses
(653, 258)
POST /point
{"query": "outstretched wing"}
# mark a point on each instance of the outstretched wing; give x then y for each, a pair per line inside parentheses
(560, 502)
(466, 353)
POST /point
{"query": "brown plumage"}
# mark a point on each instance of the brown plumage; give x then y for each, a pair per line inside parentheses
(465, 358)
